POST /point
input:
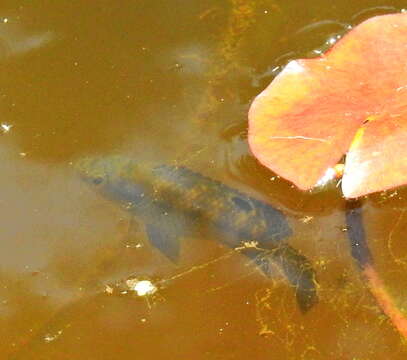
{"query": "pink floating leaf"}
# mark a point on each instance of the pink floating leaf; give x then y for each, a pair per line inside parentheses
(351, 100)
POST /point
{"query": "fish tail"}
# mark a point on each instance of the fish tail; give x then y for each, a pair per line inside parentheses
(296, 268)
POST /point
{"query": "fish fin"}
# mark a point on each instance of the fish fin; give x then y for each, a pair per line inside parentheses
(297, 270)
(300, 273)
(167, 243)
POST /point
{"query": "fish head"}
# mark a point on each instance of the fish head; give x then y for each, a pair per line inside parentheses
(93, 171)
(116, 177)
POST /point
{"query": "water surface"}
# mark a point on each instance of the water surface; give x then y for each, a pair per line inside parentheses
(170, 81)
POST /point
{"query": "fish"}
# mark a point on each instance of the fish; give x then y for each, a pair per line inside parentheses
(169, 198)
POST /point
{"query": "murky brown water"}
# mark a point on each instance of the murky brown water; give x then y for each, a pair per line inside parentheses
(169, 81)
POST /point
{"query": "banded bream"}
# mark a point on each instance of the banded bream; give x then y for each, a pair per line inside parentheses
(167, 199)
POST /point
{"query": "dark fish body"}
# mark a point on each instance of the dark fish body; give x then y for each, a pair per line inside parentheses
(226, 209)
(168, 199)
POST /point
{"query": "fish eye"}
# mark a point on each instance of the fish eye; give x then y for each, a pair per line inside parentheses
(97, 180)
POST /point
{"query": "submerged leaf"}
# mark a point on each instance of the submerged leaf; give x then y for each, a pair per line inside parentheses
(351, 100)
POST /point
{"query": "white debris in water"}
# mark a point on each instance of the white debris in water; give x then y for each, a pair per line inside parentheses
(51, 337)
(306, 219)
(6, 127)
(141, 287)
(109, 289)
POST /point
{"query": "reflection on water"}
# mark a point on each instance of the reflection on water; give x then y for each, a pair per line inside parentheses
(16, 40)
(169, 82)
